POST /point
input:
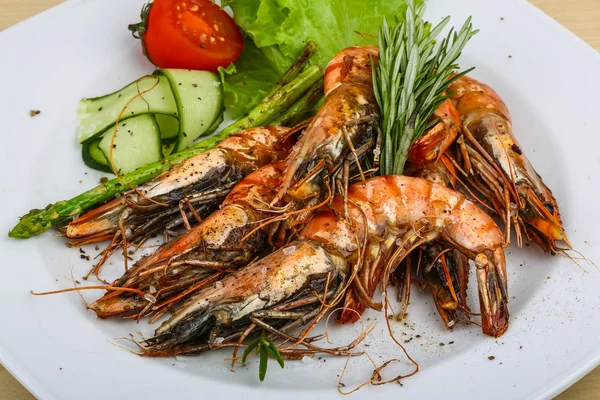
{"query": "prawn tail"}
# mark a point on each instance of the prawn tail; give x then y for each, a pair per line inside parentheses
(493, 294)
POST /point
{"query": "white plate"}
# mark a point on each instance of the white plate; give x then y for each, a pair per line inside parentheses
(547, 76)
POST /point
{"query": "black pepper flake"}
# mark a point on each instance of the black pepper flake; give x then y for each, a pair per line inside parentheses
(33, 113)
(103, 180)
(491, 358)
(184, 134)
(82, 251)
(114, 146)
(516, 149)
(100, 109)
(442, 344)
(194, 84)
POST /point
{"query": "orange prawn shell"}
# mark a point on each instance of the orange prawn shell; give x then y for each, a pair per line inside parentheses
(471, 95)
(486, 121)
(429, 147)
(351, 64)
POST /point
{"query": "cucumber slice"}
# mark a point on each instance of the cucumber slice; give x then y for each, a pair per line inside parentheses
(167, 149)
(137, 143)
(199, 98)
(169, 127)
(93, 157)
(98, 114)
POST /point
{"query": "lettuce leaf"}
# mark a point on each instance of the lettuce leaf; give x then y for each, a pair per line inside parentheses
(246, 82)
(280, 28)
(277, 31)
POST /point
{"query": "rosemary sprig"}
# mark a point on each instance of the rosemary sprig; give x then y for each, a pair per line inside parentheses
(411, 78)
(264, 348)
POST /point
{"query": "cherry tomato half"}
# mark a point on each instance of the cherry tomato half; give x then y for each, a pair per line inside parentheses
(189, 34)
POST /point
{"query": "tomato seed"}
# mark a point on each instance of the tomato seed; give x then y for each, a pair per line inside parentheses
(216, 27)
(194, 7)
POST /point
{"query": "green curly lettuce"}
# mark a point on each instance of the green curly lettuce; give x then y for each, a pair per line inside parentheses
(279, 29)
(246, 82)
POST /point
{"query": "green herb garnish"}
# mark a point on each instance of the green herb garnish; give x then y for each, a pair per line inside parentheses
(411, 78)
(264, 348)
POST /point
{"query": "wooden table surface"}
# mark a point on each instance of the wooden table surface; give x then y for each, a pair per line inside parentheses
(580, 16)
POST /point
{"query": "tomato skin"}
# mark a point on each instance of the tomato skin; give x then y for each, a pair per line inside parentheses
(190, 34)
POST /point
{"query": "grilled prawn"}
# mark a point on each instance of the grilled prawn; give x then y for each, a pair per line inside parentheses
(394, 215)
(286, 286)
(190, 190)
(345, 124)
(498, 168)
(201, 255)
